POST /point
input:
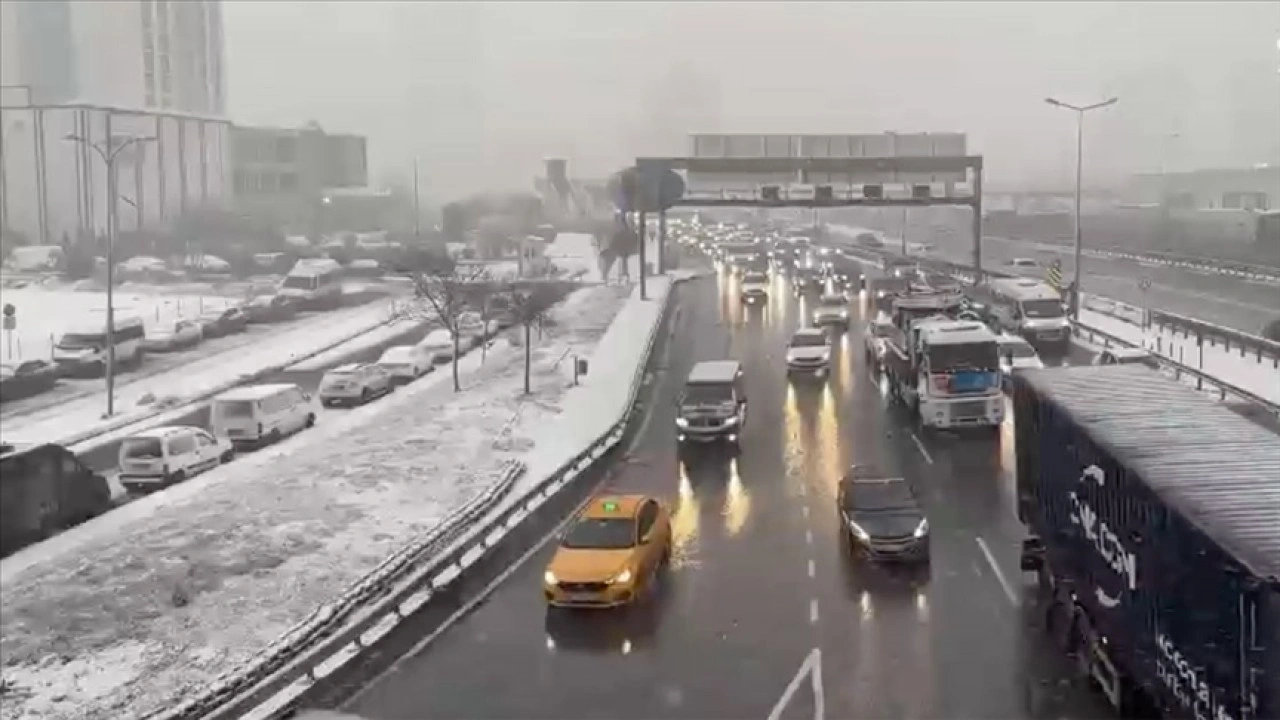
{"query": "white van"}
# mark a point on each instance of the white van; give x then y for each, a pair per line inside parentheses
(162, 456)
(314, 284)
(83, 346)
(439, 345)
(1032, 309)
(261, 414)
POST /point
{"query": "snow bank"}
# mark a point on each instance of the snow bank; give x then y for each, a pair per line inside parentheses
(70, 421)
(146, 603)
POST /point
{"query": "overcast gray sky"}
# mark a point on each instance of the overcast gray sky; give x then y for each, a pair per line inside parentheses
(481, 92)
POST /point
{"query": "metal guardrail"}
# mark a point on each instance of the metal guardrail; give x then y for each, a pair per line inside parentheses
(1262, 349)
(1250, 271)
(399, 587)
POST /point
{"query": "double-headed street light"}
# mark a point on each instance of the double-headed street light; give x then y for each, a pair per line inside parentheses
(109, 150)
(1079, 110)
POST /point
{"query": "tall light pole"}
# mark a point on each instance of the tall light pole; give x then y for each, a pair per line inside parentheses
(1079, 110)
(109, 150)
(417, 211)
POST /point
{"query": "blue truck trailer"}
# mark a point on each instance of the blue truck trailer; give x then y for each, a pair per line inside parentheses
(1153, 521)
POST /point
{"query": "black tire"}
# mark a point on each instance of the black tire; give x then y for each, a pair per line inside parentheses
(227, 456)
(311, 420)
(177, 477)
(273, 437)
(364, 396)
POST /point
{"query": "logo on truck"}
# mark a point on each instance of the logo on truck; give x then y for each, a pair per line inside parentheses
(1188, 683)
(1104, 540)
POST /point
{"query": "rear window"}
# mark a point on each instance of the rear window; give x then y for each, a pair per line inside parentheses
(236, 408)
(808, 340)
(142, 449)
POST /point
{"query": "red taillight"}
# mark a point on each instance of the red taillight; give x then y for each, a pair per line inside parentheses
(942, 383)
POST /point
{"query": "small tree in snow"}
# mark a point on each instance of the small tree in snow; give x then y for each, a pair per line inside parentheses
(529, 306)
(443, 294)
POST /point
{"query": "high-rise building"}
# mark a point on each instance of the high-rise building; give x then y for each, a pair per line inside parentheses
(100, 70)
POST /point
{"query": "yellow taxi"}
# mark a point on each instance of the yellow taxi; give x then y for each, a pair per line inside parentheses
(611, 553)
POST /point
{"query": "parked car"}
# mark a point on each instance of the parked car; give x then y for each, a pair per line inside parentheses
(439, 344)
(1127, 356)
(156, 458)
(173, 336)
(354, 384)
(472, 329)
(227, 321)
(270, 309)
(406, 363)
(875, 337)
(27, 378)
(258, 414)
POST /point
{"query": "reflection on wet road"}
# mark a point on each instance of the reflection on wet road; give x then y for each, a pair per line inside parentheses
(759, 578)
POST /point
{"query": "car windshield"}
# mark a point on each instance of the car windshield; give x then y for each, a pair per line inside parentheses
(708, 393)
(1018, 349)
(300, 282)
(600, 534)
(964, 356)
(1042, 308)
(142, 448)
(809, 340)
(878, 497)
(73, 342)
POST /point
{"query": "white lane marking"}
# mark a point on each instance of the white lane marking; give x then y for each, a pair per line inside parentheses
(1000, 578)
(475, 601)
(808, 537)
(813, 611)
(920, 446)
(812, 666)
(812, 568)
(804, 490)
(805, 510)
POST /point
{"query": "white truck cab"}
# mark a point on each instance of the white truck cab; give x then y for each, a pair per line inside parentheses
(1032, 309)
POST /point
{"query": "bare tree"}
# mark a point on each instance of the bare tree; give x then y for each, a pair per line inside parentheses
(529, 306)
(443, 294)
(486, 300)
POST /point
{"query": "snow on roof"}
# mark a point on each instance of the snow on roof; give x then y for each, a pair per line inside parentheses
(345, 369)
(714, 371)
(254, 392)
(1025, 289)
(162, 432)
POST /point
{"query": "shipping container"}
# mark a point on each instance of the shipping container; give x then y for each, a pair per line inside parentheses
(912, 145)
(708, 146)
(875, 146)
(744, 146)
(1153, 515)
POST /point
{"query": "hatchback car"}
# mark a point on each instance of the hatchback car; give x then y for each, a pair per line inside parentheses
(611, 554)
(406, 363)
(354, 384)
(224, 321)
(881, 516)
(156, 458)
(174, 336)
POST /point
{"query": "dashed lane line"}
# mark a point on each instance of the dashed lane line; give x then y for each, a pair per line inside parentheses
(923, 451)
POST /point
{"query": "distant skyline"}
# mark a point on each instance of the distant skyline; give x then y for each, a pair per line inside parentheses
(482, 92)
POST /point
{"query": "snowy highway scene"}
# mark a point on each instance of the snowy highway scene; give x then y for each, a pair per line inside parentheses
(576, 361)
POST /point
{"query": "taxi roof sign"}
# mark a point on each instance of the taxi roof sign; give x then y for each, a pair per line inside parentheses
(609, 506)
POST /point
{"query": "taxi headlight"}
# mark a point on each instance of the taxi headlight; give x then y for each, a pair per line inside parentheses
(549, 577)
(682, 423)
(622, 577)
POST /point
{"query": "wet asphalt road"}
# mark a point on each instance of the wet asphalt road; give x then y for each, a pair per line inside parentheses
(758, 579)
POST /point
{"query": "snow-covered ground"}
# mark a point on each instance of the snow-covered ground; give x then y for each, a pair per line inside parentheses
(44, 314)
(1258, 377)
(132, 610)
(575, 253)
(76, 418)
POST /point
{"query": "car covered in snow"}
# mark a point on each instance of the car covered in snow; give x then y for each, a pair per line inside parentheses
(875, 337)
(439, 345)
(156, 458)
(353, 384)
(271, 309)
(171, 336)
(258, 414)
(219, 322)
(406, 363)
(1127, 356)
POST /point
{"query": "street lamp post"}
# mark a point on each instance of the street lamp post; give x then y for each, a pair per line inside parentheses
(1079, 110)
(109, 150)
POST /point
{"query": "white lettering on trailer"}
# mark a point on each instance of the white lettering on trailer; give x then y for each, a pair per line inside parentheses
(1185, 683)
(1103, 538)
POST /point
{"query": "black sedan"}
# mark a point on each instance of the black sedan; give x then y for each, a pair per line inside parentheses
(27, 378)
(881, 516)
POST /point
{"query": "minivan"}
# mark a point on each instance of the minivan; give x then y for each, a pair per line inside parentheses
(260, 414)
(83, 346)
(159, 457)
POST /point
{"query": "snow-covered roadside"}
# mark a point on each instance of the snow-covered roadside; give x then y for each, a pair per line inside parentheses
(203, 576)
(1259, 378)
(67, 422)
